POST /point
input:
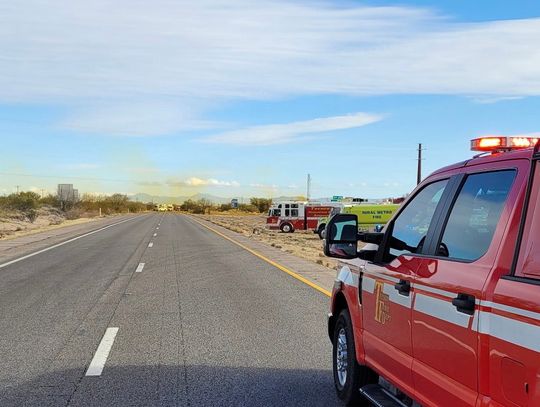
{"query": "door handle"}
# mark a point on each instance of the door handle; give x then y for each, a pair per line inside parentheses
(464, 303)
(403, 287)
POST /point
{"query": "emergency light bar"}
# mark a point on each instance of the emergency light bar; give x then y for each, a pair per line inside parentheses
(496, 144)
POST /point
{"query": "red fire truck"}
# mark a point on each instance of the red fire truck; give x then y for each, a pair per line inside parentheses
(443, 307)
(289, 216)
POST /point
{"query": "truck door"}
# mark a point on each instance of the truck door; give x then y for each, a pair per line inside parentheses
(273, 216)
(387, 287)
(449, 286)
(510, 319)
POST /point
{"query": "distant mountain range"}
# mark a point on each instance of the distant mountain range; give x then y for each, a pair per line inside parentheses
(142, 197)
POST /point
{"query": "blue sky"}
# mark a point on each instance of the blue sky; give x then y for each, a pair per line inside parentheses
(241, 98)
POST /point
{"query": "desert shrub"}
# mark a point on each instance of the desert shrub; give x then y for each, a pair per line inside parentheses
(200, 206)
(32, 215)
(109, 204)
(188, 205)
(225, 207)
(247, 208)
(74, 213)
(117, 202)
(23, 201)
(50, 200)
(262, 204)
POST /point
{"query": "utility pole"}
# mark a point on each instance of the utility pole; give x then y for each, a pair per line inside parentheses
(42, 193)
(18, 189)
(419, 171)
(308, 186)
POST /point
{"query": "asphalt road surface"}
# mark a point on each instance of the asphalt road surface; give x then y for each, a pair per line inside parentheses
(205, 323)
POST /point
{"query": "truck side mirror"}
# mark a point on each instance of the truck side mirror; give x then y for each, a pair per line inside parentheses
(341, 240)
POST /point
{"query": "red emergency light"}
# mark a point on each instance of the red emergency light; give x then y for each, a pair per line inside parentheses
(497, 144)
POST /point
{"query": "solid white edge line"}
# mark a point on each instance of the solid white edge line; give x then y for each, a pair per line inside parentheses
(62, 243)
(102, 353)
(151, 244)
(140, 268)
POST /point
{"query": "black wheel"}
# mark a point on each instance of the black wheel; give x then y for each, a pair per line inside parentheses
(349, 376)
(322, 231)
(286, 228)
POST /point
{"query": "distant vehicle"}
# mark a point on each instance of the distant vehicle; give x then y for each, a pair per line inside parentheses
(289, 216)
(162, 208)
(170, 207)
(443, 307)
(370, 216)
(156, 207)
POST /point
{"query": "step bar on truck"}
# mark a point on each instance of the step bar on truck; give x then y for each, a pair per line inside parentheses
(380, 397)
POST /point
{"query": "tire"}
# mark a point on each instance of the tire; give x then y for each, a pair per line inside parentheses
(286, 228)
(322, 231)
(349, 376)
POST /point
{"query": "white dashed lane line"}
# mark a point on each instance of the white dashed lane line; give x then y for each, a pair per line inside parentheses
(139, 268)
(155, 234)
(102, 353)
(151, 244)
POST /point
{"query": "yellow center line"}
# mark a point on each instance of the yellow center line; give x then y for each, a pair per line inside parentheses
(266, 259)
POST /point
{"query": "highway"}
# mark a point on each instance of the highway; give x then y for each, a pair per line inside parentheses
(202, 322)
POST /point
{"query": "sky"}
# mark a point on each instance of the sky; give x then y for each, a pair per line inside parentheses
(239, 98)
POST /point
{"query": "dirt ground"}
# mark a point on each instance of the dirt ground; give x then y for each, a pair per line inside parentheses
(15, 224)
(304, 244)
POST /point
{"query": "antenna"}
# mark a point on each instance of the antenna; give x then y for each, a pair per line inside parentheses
(308, 186)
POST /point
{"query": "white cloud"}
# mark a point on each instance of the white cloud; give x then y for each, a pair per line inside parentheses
(487, 100)
(285, 133)
(109, 59)
(204, 182)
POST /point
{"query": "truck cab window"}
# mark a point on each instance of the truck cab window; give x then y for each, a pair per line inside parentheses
(475, 215)
(411, 226)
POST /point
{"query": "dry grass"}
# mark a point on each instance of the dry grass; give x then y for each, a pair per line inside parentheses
(304, 244)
